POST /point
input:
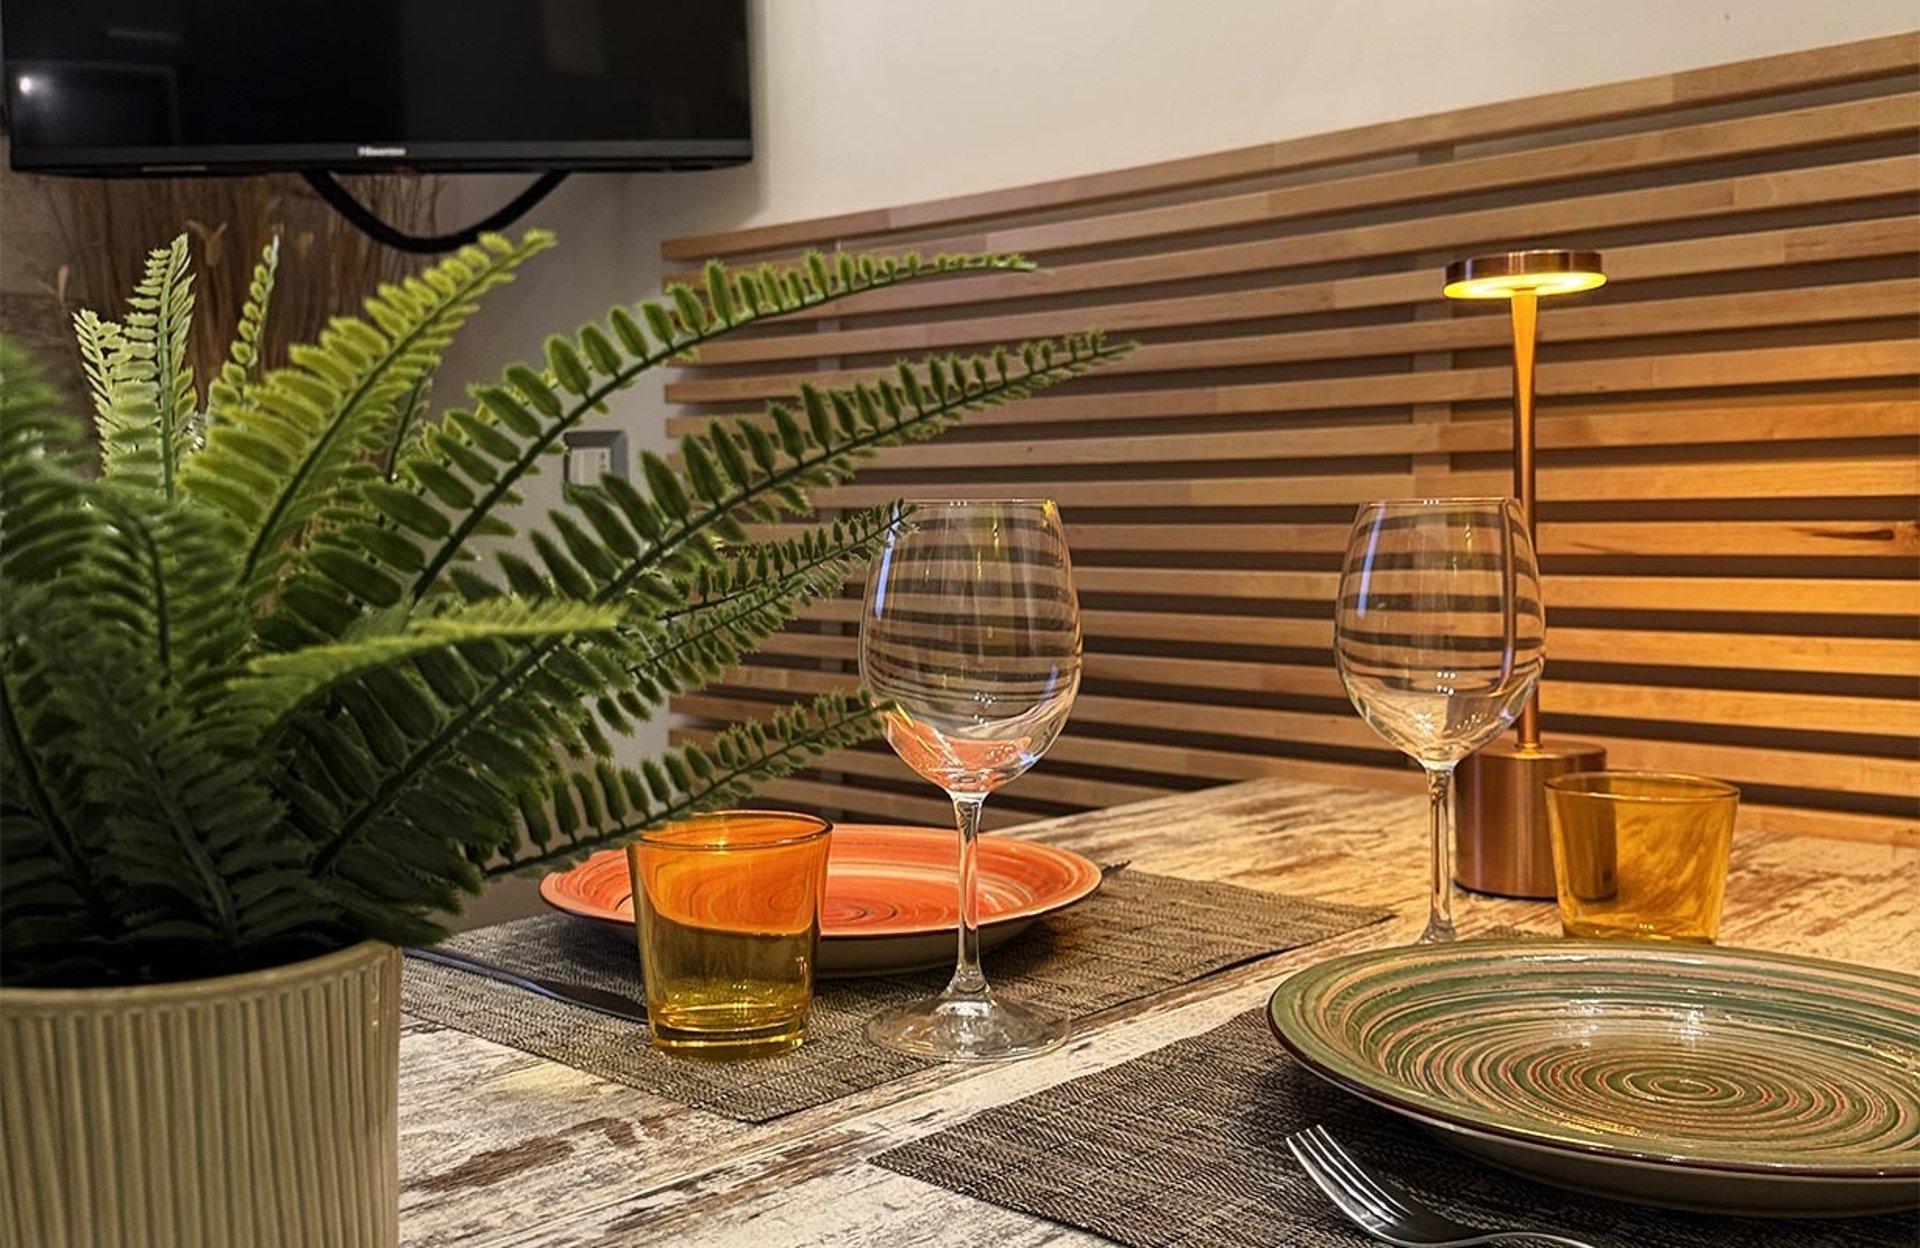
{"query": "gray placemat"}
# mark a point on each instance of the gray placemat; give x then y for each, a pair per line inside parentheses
(1138, 935)
(1183, 1148)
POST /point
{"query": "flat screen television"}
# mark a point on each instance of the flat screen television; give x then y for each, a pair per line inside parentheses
(234, 86)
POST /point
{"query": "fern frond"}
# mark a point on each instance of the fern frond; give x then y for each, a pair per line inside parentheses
(228, 390)
(735, 474)
(160, 579)
(116, 615)
(120, 378)
(58, 912)
(148, 428)
(144, 777)
(470, 468)
(48, 932)
(658, 547)
(275, 466)
(42, 526)
(738, 605)
(289, 678)
(408, 429)
(199, 866)
(100, 345)
(587, 811)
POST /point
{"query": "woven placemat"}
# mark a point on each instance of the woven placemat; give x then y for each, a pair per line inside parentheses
(1183, 1148)
(1138, 935)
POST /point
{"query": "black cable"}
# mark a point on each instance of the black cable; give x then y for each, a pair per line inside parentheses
(373, 227)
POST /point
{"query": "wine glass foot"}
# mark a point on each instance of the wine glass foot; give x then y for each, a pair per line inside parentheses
(972, 1027)
(1439, 932)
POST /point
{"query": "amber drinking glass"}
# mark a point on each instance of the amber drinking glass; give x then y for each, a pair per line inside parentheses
(727, 910)
(1439, 636)
(971, 631)
(1641, 854)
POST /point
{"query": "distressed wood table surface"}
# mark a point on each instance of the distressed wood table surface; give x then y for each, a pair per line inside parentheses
(499, 1147)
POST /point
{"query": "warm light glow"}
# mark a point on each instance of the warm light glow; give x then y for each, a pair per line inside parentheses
(28, 84)
(1507, 285)
(1505, 274)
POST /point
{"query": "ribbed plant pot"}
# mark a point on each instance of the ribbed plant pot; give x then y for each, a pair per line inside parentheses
(254, 1109)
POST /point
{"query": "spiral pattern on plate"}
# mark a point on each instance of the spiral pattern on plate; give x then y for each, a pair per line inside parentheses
(1712, 1056)
(881, 880)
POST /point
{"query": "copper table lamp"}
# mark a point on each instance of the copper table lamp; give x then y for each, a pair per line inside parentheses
(1500, 828)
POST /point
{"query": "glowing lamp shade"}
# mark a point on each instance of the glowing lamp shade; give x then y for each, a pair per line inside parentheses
(1510, 273)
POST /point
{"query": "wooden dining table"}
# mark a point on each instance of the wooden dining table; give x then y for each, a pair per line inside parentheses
(500, 1147)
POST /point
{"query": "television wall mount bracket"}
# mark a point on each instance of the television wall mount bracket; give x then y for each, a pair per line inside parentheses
(373, 227)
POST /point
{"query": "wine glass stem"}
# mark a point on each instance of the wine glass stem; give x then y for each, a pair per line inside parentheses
(1440, 908)
(967, 978)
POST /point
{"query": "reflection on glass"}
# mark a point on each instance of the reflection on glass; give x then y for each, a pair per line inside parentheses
(1439, 636)
(972, 630)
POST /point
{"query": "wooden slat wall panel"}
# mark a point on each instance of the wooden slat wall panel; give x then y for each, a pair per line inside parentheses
(1730, 431)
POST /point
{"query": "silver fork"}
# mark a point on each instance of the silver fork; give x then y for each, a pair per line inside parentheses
(1384, 1210)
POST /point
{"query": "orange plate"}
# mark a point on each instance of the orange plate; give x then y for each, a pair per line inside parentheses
(891, 904)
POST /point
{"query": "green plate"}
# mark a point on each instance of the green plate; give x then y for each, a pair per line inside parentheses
(1692, 1077)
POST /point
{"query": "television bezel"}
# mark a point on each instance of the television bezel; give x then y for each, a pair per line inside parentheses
(563, 157)
(372, 154)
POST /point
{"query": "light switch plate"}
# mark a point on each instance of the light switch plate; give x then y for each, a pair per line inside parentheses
(592, 454)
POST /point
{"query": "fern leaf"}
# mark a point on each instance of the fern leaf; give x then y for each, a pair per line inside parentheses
(529, 413)
(339, 406)
(228, 390)
(741, 759)
(100, 343)
(43, 525)
(289, 678)
(49, 844)
(140, 376)
(48, 841)
(114, 616)
(738, 605)
(180, 816)
(674, 553)
(544, 692)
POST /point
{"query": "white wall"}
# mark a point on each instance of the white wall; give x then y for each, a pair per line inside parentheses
(868, 102)
(865, 103)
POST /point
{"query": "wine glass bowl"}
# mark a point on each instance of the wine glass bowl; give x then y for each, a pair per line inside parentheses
(970, 633)
(1439, 637)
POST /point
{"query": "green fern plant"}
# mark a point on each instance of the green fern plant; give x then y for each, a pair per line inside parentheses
(263, 695)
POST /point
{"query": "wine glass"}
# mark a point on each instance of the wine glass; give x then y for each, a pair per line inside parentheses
(1439, 636)
(971, 631)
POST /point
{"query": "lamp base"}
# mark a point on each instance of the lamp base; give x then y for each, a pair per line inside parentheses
(1501, 845)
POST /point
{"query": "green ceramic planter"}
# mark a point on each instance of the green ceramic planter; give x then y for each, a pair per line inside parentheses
(255, 1109)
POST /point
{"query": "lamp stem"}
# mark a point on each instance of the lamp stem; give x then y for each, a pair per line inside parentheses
(1526, 308)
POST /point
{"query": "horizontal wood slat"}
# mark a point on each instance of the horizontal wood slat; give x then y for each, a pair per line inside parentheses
(1695, 595)
(1844, 772)
(1729, 432)
(1862, 301)
(1896, 475)
(1850, 121)
(1875, 539)
(1888, 358)
(1794, 712)
(1845, 656)
(1760, 250)
(1878, 180)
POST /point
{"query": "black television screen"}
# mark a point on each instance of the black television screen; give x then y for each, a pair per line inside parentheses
(150, 86)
